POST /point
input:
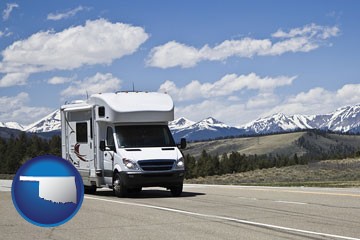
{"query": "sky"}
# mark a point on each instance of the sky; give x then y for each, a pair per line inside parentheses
(232, 60)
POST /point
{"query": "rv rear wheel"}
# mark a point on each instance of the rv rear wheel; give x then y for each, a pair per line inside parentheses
(118, 187)
(90, 189)
(176, 191)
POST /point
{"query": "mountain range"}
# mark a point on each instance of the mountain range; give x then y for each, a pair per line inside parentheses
(209, 128)
(49, 123)
(343, 120)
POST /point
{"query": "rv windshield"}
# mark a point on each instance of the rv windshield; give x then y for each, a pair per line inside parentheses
(136, 136)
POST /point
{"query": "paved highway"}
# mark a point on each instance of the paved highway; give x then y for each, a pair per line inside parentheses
(203, 212)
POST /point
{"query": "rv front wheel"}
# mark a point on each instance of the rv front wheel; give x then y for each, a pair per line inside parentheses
(118, 186)
(135, 190)
(176, 191)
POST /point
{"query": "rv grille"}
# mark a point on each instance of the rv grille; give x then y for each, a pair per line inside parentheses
(156, 165)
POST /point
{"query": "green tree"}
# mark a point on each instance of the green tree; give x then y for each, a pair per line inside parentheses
(190, 163)
(55, 146)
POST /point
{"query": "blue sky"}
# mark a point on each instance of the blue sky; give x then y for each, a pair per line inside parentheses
(232, 60)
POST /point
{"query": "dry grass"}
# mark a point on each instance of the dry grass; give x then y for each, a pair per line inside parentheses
(282, 144)
(7, 176)
(330, 173)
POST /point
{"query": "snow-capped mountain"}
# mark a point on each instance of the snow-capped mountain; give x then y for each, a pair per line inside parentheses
(345, 119)
(211, 123)
(208, 128)
(49, 123)
(12, 125)
(278, 123)
(180, 123)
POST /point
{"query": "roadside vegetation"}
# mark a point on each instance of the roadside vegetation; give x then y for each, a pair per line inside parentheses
(328, 173)
(17, 150)
(292, 159)
(315, 147)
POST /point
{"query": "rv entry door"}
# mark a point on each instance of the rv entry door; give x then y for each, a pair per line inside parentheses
(80, 140)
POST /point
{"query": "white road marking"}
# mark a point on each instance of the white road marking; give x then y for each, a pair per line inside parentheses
(277, 201)
(351, 192)
(248, 198)
(299, 203)
(225, 218)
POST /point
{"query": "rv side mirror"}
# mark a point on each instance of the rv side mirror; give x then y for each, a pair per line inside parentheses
(183, 143)
(102, 145)
(112, 148)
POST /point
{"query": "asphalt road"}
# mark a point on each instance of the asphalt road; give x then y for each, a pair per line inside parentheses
(203, 212)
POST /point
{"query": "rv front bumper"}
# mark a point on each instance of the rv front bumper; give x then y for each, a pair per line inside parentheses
(153, 179)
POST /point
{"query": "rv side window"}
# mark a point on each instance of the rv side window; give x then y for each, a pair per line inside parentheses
(81, 132)
(101, 111)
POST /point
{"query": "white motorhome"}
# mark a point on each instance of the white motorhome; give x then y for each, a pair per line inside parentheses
(122, 141)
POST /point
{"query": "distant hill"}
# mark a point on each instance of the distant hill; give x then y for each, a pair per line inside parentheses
(8, 132)
(286, 144)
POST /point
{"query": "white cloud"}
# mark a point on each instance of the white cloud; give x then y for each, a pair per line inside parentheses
(214, 108)
(349, 93)
(59, 80)
(64, 15)
(297, 44)
(262, 100)
(318, 100)
(309, 31)
(97, 42)
(233, 98)
(314, 95)
(15, 108)
(8, 103)
(96, 84)
(7, 11)
(231, 113)
(303, 39)
(12, 79)
(226, 86)
(246, 47)
(173, 54)
(5, 33)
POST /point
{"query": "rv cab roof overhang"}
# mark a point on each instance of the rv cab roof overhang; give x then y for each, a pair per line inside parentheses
(125, 107)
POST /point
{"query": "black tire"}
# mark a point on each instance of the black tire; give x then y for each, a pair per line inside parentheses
(119, 188)
(135, 190)
(176, 191)
(90, 189)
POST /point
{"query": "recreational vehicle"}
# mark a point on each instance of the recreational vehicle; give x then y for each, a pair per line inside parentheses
(122, 141)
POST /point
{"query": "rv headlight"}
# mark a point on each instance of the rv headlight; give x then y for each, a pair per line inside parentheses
(180, 163)
(130, 164)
